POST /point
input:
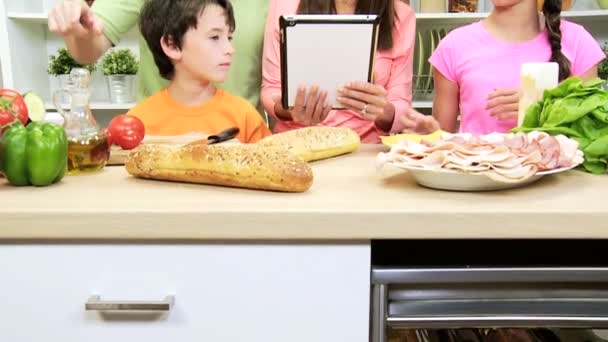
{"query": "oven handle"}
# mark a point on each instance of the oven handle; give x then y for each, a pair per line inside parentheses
(489, 275)
(506, 321)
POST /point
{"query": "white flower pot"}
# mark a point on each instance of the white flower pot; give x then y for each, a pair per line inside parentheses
(120, 88)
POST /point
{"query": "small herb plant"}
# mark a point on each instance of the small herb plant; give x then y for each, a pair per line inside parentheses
(119, 62)
(62, 63)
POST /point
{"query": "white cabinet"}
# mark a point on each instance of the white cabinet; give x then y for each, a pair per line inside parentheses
(258, 292)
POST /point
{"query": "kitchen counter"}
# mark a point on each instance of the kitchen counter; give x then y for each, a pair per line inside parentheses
(349, 201)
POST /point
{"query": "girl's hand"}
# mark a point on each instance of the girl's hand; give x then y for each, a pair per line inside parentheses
(503, 103)
(419, 123)
(368, 100)
(307, 110)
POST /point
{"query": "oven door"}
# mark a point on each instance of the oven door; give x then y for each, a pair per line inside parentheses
(456, 298)
(547, 287)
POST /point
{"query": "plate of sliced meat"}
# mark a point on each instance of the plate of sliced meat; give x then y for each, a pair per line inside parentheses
(463, 162)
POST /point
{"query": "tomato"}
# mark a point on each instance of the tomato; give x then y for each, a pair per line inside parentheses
(108, 134)
(126, 131)
(12, 106)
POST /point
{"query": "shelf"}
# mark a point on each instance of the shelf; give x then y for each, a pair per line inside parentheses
(101, 106)
(448, 16)
(586, 14)
(42, 19)
(422, 104)
(458, 18)
(38, 17)
(34, 17)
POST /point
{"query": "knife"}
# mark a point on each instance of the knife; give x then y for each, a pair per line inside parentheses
(227, 134)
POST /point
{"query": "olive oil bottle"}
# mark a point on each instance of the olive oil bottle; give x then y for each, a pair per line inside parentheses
(89, 155)
(88, 148)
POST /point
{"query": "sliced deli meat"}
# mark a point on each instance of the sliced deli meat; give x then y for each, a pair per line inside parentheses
(502, 157)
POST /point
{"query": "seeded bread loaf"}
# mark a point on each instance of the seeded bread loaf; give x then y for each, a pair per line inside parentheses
(315, 143)
(246, 166)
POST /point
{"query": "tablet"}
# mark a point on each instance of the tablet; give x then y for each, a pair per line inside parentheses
(327, 51)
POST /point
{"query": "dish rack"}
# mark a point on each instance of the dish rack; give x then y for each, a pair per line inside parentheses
(423, 87)
(427, 41)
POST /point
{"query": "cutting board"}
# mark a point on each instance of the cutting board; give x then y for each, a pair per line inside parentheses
(118, 156)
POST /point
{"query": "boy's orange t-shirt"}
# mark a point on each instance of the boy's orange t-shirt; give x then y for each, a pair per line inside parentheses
(163, 115)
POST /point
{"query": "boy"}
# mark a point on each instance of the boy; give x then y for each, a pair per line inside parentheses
(88, 32)
(191, 46)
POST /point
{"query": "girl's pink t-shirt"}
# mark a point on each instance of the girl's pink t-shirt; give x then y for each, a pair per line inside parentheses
(479, 63)
(392, 69)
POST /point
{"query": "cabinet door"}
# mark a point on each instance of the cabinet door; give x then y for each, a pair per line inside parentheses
(222, 292)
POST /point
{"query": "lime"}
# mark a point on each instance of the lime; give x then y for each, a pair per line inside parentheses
(35, 106)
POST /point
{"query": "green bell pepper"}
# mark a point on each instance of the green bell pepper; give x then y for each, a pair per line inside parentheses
(34, 155)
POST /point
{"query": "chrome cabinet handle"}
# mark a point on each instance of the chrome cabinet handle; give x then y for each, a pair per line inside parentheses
(94, 303)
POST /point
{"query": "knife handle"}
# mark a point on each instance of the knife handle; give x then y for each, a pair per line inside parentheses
(224, 135)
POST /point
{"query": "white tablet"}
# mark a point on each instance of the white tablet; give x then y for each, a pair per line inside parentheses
(327, 51)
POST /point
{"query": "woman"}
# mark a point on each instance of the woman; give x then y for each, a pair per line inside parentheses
(373, 109)
(481, 81)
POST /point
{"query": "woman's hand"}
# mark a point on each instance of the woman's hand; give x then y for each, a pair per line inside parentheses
(369, 101)
(307, 110)
(416, 122)
(503, 103)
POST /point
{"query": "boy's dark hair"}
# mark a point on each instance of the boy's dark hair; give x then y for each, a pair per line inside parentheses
(170, 20)
(383, 8)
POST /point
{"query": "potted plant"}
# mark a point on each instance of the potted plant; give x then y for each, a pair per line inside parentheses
(120, 67)
(602, 69)
(61, 65)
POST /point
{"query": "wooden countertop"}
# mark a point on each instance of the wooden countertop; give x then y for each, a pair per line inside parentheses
(349, 200)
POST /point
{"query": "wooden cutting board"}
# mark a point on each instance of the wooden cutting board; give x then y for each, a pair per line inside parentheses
(118, 156)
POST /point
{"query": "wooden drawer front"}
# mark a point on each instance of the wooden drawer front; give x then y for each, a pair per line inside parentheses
(222, 293)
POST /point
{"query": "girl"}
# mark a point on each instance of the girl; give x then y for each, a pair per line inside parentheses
(477, 67)
(373, 109)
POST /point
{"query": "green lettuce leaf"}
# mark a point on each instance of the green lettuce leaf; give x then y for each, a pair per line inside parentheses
(578, 110)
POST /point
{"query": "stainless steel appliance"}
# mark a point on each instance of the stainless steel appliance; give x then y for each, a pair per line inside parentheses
(489, 285)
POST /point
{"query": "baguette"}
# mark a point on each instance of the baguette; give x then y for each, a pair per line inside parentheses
(315, 143)
(244, 166)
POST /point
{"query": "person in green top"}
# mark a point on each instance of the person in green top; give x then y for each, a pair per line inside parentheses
(90, 31)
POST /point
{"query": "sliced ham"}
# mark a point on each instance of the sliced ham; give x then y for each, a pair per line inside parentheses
(436, 159)
(516, 141)
(569, 152)
(518, 175)
(502, 157)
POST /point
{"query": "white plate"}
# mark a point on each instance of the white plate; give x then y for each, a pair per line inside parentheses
(444, 179)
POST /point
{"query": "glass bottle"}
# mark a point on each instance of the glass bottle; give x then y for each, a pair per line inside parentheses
(88, 148)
